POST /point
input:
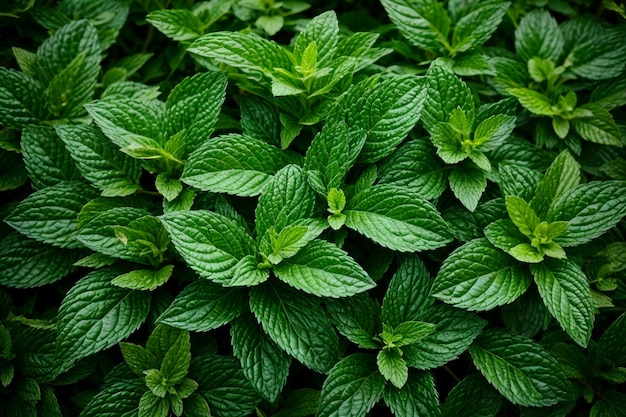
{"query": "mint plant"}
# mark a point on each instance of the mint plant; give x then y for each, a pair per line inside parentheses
(261, 208)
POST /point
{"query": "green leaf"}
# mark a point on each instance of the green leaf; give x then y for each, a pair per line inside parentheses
(392, 367)
(610, 94)
(415, 165)
(143, 279)
(599, 57)
(524, 252)
(357, 318)
(471, 397)
(590, 210)
(248, 273)
(538, 35)
(418, 397)
(396, 218)
(14, 173)
(300, 403)
(610, 346)
(520, 369)
(493, 131)
(153, 405)
(472, 63)
(468, 183)
(46, 157)
(565, 292)
(120, 398)
(455, 330)
(20, 99)
(522, 215)
(100, 161)
(476, 27)
(409, 332)
(49, 215)
(423, 23)
(477, 276)
(177, 359)
(177, 24)
(322, 269)
(534, 101)
(26, 263)
(138, 358)
(259, 119)
(516, 180)
(265, 365)
(210, 243)
(563, 175)
(297, 324)
(352, 388)
(598, 127)
(613, 404)
(407, 296)
(161, 340)
(95, 315)
(223, 385)
(202, 306)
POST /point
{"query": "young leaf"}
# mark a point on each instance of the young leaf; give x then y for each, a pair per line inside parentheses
(479, 277)
(357, 318)
(563, 175)
(565, 292)
(49, 215)
(176, 361)
(297, 324)
(100, 161)
(520, 369)
(533, 101)
(96, 315)
(138, 358)
(265, 365)
(468, 183)
(323, 30)
(352, 387)
(538, 35)
(143, 279)
(323, 269)
(418, 397)
(471, 397)
(396, 218)
(210, 243)
(247, 273)
(522, 215)
(590, 210)
(178, 24)
(392, 367)
(203, 306)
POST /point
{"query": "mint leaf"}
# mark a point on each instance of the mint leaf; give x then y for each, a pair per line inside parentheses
(476, 27)
(392, 367)
(143, 279)
(297, 324)
(520, 369)
(396, 218)
(357, 318)
(565, 292)
(516, 180)
(20, 99)
(590, 210)
(14, 173)
(599, 57)
(323, 269)
(468, 183)
(120, 398)
(415, 165)
(533, 101)
(352, 387)
(95, 315)
(324, 31)
(49, 215)
(300, 403)
(248, 273)
(610, 346)
(138, 358)
(477, 276)
(202, 306)
(562, 175)
(26, 263)
(234, 164)
(260, 120)
(178, 24)
(176, 361)
(470, 397)
(538, 35)
(417, 397)
(522, 215)
(598, 126)
(46, 157)
(265, 365)
(99, 161)
(210, 243)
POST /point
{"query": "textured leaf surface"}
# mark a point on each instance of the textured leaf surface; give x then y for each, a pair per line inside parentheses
(392, 367)
(20, 99)
(418, 397)
(468, 183)
(178, 24)
(49, 215)
(210, 243)
(478, 276)
(352, 388)
(357, 318)
(396, 218)
(265, 365)
(233, 164)
(203, 306)
(565, 292)
(297, 324)
(118, 399)
(471, 397)
(562, 175)
(520, 369)
(538, 35)
(611, 346)
(476, 27)
(95, 315)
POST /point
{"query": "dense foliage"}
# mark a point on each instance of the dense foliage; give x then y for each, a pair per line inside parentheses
(312, 208)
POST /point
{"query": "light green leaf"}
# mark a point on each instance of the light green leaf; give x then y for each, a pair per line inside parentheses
(325, 270)
(234, 164)
(324, 31)
(292, 239)
(477, 276)
(270, 24)
(522, 215)
(143, 279)
(357, 318)
(210, 243)
(468, 183)
(297, 324)
(590, 209)
(476, 27)
(396, 218)
(409, 332)
(473, 63)
(598, 127)
(204, 306)
(524, 252)
(247, 273)
(95, 315)
(418, 397)
(538, 35)
(352, 388)
(520, 369)
(562, 175)
(493, 131)
(565, 292)
(177, 24)
(167, 186)
(100, 161)
(533, 101)
(46, 157)
(392, 367)
(265, 365)
(471, 397)
(49, 215)
(26, 263)
(151, 405)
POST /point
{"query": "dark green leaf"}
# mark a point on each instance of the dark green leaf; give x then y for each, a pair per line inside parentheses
(120, 399)
(538, 35)
(473, 396)
(468, 182)
(357, 318)
(418, 397)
